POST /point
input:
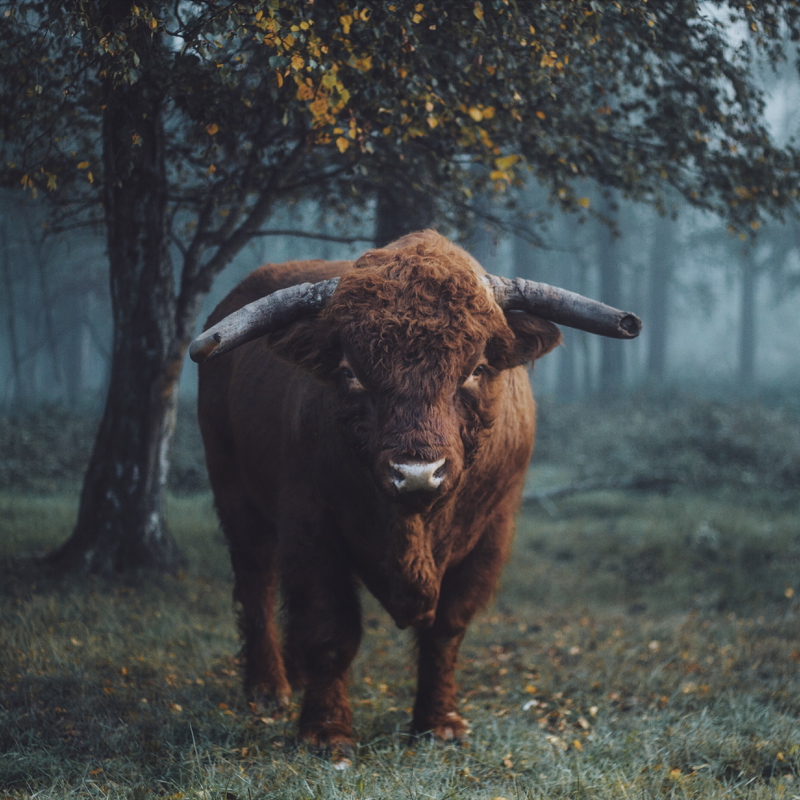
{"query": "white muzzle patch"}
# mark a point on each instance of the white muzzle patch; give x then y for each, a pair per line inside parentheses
(417, 476)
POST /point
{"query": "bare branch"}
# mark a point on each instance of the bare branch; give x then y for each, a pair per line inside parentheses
(321, 236)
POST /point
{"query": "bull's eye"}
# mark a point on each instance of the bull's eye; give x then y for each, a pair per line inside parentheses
(472, 381)
(352, 383)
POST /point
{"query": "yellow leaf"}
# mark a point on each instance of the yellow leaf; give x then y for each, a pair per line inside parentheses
(305, 92)
(584, 202)
(342, 144)
(90, 177)
(548, 59)
(297, 63)
(416, 19)
(755, 224)
(577, 745)
(153, 23)
(530, 689)
(432, 122)
(363, 64)
(346, 21)
(478, 11)
(212, 129)
(83, 165)
(488, 112)
(319, 106)
(789, 593)
(476, 114)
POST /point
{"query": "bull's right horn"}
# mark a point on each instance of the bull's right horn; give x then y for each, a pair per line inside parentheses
(563, 307)
(262, 316)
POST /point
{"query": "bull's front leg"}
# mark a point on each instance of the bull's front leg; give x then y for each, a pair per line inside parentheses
(323, 632)
(466, 589)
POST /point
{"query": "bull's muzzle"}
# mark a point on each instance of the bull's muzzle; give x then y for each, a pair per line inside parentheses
(417, 476)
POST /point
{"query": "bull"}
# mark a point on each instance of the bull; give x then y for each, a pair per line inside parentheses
(372, 425)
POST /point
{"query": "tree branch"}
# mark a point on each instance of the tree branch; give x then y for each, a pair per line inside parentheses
(326, 237)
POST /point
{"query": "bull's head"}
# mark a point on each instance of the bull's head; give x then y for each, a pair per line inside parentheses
(414, 340)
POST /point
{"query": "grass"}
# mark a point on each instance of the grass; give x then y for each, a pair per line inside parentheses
(641, 645)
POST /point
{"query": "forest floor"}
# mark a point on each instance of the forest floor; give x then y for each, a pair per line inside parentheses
(642, 644)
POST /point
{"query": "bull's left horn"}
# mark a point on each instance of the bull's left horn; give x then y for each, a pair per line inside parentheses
(563, 307)
(262, 316)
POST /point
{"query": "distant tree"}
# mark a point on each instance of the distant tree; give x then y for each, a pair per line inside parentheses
(663, 258)
(180, 127)
(609, 262)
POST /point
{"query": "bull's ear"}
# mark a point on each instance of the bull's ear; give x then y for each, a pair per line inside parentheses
(531, 338)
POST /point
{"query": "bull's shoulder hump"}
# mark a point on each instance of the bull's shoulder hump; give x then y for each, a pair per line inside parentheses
(272, 277)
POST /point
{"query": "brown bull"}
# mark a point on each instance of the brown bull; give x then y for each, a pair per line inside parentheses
(373, 429)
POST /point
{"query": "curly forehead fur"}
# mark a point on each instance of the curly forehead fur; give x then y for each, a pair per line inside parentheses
(415, 307)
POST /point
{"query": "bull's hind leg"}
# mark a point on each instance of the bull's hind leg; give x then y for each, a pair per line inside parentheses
(252, 547)
(323, 632)
(466, 589)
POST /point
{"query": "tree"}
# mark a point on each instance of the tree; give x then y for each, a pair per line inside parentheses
(609, 261)
(662, 265)
(180, 127)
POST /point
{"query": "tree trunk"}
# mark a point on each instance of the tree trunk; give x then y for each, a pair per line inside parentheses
(400, 212)
(19, 382)
(612, 367)
(747, 323)
(661, 266)
(121, 520)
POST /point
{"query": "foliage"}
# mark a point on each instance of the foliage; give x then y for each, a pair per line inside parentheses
(704, 444)
(265, 100)
(46, 450)
(582, 681)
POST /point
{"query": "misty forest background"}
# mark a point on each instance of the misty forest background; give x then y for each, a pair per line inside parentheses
(721, 314)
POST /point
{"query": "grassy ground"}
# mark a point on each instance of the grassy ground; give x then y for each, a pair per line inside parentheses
(641, 645)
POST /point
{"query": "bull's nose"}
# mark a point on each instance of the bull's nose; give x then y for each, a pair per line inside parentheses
(415, 476)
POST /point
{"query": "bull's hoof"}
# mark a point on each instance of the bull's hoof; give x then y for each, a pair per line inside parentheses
(337, 747)
(450, 728)
(266, 698)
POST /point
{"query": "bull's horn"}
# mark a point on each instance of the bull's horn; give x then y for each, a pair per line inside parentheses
(565, 308)
(270, 313)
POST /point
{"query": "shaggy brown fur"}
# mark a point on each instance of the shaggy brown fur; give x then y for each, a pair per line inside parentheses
(412, 360)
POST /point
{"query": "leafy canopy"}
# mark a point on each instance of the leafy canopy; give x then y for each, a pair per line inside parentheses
(270, 100)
